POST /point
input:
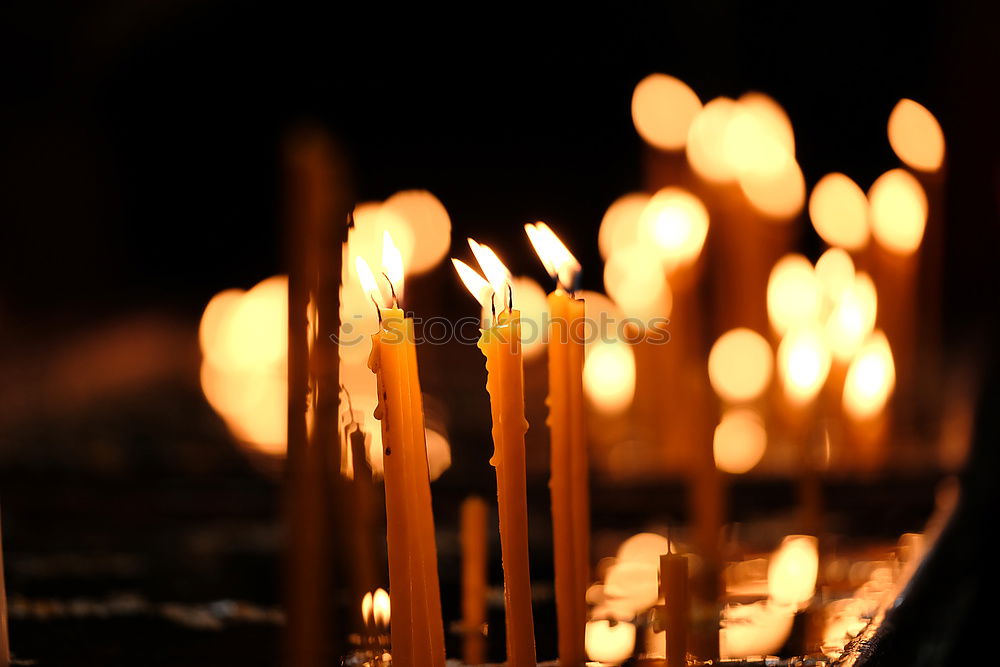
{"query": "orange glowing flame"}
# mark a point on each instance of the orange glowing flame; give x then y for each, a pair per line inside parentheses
(558, 260)
(609, 376)
(381, 608)
(870, 380)
(793, 294)
(898, 211)
(662, 110)
(494, 270)
(740, 365)
(803, 363)
(675, 223)
(366, 609)
(838, 209)
(739, 442)
(916, 136)
(367, 280)
(475, 283)
(392, 263)
(791, 574)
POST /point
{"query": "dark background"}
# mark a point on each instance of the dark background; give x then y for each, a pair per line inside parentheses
(140, 173)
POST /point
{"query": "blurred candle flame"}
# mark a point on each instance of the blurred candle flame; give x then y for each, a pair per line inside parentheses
(494, 270)
(676, 224)
(739, 442)
(367, 280)
(803, 363)
(392, 263)
(793, 294)
(475, 283)
(915, 135)
(838, 209)
(792, 572)
(556, 257)
(381, 608)
(366, 609)
(740, 365)
(663, 108)
(871, 378)
(898, 208)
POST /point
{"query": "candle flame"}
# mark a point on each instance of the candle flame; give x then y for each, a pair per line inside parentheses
(367, 280)
(870, 380)
(791, 575)
(381, 608)
(916, 136)
(392, 263)
(366, 608)
(494, 270)
(474, 282)
(558, 260)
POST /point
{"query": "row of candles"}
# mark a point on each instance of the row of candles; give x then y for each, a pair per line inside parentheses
(820, 318)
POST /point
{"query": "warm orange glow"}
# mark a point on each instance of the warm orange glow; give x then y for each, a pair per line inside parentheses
(609, 644)
(620, 224)
(916, 136)
(371, 221)
(632, 585)
(838, 209)
(707, 139)
(643, 548)
(662, 110)
(676, 222)
(558, 260)
(740, 365)
(381, 608)
(793, 294)
(425, 221)
(609, 376)
(494, 270)
(803, 363)
(392, 264)
(367, 280)
(213, 331)
(635, 279)
(898, 211)
(740, 441)
(243, 337)
(758, 139)
(366, 609)
(475, 283)
(852, 318)
(871, 379)
(835, 273)
(779, 195)
(791, 574)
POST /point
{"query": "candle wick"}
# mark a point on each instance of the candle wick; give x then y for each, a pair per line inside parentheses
(392, 289)
(378, 308)
(510, 297)
(493, 306)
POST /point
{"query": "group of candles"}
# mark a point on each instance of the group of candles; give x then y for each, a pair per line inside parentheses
(812, 327)
(417, 633)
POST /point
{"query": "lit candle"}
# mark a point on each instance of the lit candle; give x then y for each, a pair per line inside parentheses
(418, 633)
(501, 344)
(569, 477)
(473, 538)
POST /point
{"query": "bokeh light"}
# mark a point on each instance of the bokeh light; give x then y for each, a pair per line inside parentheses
(838, 209)
(852, 317)
(675, 222)
(620, 224)
(792, 572)
(609, 644)
(609, 376)
(779, 196)
(739, 442)
(740, 365)
(706, 148)
(871, 378)
(635, 279)
(663, 107)
(428, 224)
(803, 363)
(898, 211)
(793, 294)
(915, 135)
